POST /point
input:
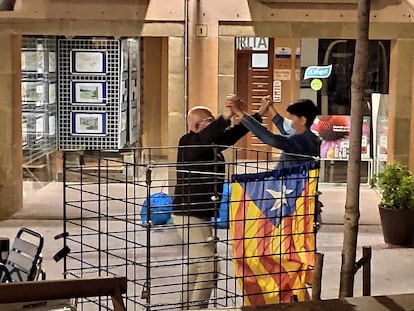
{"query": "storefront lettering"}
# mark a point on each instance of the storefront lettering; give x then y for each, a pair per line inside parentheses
(252, 43)
(318, 72)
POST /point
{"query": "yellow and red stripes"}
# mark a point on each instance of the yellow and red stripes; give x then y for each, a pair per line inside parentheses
(271, 262)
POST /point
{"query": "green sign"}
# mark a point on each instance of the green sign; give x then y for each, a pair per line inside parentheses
(316, 84)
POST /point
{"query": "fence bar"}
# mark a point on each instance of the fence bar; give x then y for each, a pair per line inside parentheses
(317, 277)
(366, 271)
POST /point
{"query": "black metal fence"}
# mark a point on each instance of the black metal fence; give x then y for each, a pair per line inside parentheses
(117, 215)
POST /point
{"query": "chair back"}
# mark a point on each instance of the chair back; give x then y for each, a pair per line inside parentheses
(25, 256)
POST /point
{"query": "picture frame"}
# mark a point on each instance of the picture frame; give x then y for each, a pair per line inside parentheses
(124, 90)
(52, 93)
(88, 123)
(134, 118)
(89, 92)
(88, 61)
(133, 125)
(125, 59)
(133, 60)
(52, 124)
(52, 61)
(124, 119)
(24, 133)
(32, 92)
(133, 89)
(32, 61)
(39, 127)
(124, 87)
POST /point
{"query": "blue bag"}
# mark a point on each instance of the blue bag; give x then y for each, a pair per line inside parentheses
(161, 209)
(222, 221)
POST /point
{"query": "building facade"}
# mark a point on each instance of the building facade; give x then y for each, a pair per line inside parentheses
(195, 52)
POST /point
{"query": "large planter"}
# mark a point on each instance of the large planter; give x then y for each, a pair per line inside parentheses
(397, 225)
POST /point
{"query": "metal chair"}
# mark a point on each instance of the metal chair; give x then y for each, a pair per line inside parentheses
(24, 261)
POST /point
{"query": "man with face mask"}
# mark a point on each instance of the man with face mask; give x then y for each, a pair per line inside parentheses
(296, 141)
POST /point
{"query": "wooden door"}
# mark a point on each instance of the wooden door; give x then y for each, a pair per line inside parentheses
(252, 83)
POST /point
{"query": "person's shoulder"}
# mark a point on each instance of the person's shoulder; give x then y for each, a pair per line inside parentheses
(309, 132)
(184, 138)
(314, 136)
(186, 135)
(220, 121)
(306, 136)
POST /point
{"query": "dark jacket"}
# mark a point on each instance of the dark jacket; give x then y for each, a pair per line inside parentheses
(296, 148)
(201, 168)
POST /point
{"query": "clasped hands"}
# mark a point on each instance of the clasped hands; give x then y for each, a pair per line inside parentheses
(234, 106)
(238, 107)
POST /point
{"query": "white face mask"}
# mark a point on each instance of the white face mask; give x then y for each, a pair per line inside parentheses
(287, 126)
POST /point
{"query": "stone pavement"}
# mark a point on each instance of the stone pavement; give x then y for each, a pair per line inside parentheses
(392, 271)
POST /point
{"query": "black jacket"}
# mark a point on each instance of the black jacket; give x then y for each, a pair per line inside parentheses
(201, 167)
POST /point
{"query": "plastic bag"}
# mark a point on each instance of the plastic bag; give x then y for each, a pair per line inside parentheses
(161, 209)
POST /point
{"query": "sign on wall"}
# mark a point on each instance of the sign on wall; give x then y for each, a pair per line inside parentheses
(252, 43)
(334, 132)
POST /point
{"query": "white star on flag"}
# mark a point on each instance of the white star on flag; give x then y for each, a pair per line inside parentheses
(279, 196)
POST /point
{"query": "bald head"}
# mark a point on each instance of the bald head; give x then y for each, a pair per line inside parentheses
(198, 118)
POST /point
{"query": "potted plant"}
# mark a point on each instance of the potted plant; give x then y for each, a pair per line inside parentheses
(396, 208)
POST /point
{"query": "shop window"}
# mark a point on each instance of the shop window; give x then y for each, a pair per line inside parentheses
(336, 94)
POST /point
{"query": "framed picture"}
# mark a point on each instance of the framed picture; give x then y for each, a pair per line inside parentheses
(88, 61)
(52, 61)
(52, 125)
(134, 118)
(124, 118)
(39, 127)
(124, 90)
(52, 93)
(125, 58)
(85, 92)
(24, 133)
(133, 60)
(33, 61)
(133, 125)
(124, 87)
(88, 123)
(32, 91)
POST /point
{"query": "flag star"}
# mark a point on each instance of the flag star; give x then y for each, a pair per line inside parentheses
(279, 196)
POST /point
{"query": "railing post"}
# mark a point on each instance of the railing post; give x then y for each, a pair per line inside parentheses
(317, 277)
(365, 263)
(146, 291)
(366, 271)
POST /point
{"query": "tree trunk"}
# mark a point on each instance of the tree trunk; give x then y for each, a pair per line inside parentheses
(351, 216)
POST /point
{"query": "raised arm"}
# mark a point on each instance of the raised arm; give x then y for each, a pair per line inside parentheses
(263, 133)
(256, 127)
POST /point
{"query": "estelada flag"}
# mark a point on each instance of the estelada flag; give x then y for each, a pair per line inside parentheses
(272, 231)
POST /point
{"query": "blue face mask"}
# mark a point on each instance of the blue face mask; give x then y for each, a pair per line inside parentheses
(287, 126)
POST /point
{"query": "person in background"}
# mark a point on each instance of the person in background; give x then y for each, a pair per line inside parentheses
(200, 178)
(297, 142)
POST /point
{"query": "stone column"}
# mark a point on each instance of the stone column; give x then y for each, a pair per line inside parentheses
(226, 69)
(226, 82)
(176, 101)
(177, 109)
(400, 112)
(11, 157)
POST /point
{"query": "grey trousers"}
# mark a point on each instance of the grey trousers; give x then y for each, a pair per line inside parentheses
(199, 246)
